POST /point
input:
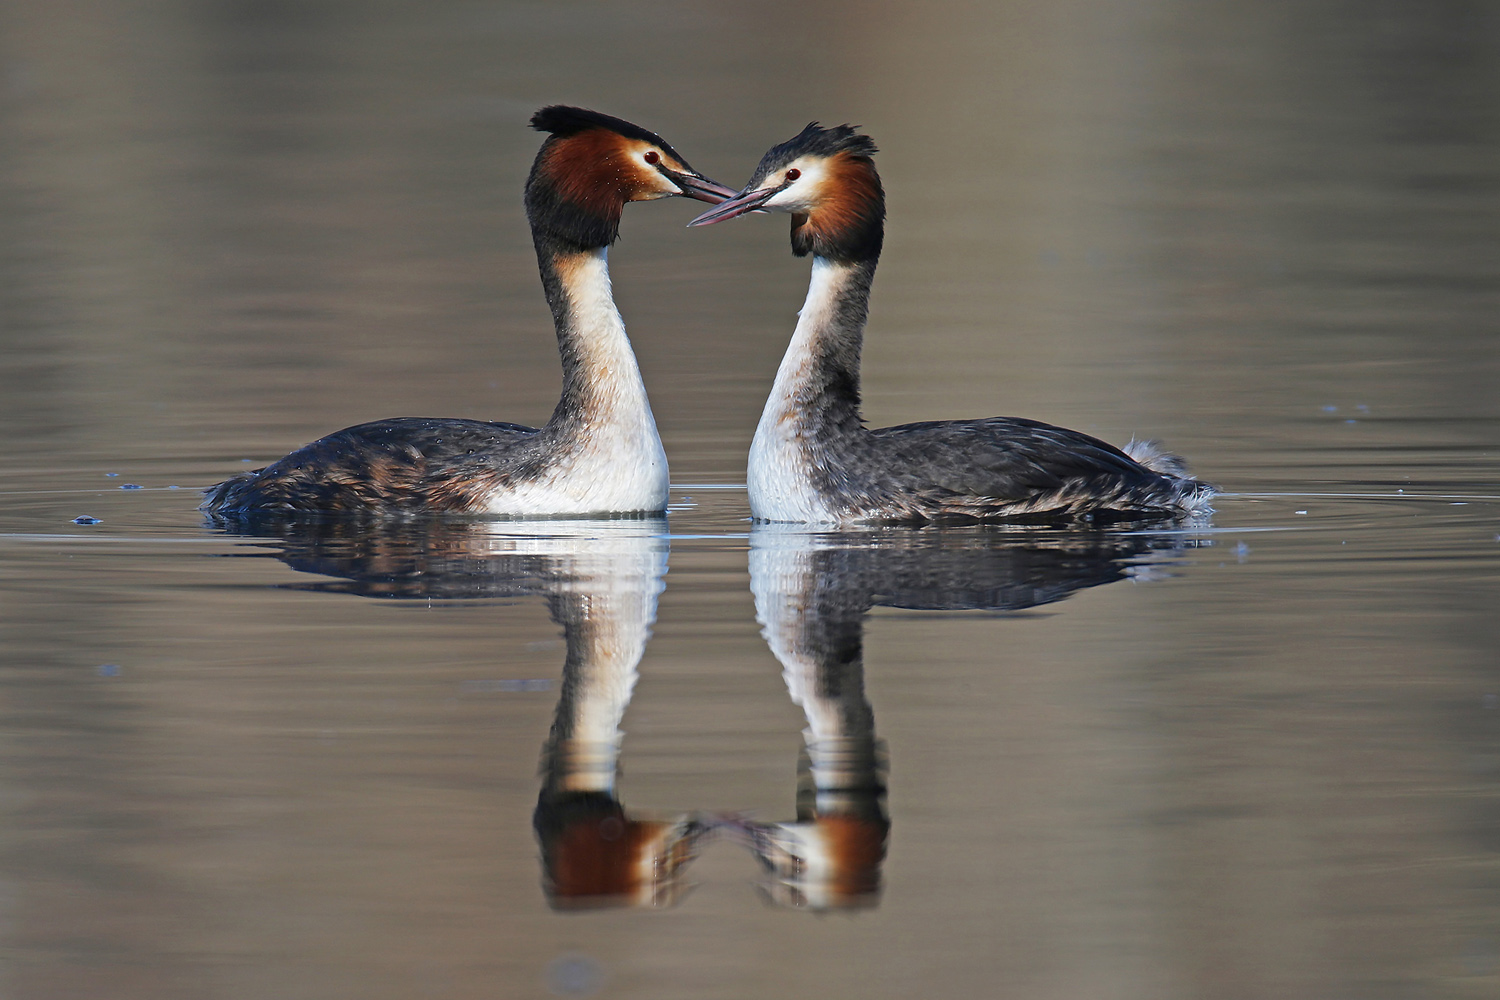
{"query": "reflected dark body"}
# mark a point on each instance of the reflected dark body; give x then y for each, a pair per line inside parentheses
(985, 569)
(430, 558)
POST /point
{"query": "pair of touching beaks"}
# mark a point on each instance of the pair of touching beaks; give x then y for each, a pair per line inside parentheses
(728, 203)
(743, 203)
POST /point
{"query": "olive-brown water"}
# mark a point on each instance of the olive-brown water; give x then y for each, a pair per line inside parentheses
(1256, 759)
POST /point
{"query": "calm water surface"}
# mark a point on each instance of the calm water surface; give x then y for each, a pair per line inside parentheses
(1255, 758)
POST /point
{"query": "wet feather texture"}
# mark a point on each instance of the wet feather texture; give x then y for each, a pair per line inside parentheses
(600, 451)
(813, 460)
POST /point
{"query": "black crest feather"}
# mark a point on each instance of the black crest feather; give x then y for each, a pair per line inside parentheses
(855, 231)
(562, 121)
(556, 218)
(814, 140)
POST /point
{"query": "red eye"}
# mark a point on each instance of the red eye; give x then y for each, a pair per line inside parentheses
(652, 156)
(793, 174)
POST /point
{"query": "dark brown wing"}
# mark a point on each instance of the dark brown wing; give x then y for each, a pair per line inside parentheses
(1000, 466)
(401, 465)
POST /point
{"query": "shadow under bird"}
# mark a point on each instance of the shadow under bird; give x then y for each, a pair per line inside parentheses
(813, 460)
(600, 451)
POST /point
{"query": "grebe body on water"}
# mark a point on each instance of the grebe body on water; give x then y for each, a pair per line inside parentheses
(812, 458)
(600, 451)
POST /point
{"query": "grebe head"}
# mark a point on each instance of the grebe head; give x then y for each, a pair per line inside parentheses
(591, 165)
(825, 178)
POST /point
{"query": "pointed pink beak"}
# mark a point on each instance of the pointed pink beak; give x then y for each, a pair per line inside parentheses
(741, 204)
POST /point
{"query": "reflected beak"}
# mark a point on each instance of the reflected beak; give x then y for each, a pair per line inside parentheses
(740, 204)
(698, 187)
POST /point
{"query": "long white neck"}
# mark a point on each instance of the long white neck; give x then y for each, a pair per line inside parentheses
(604, 452)
(601, 380)
(815, 398)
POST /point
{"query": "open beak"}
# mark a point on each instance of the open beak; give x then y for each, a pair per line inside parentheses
(698, 187)
(739, 204)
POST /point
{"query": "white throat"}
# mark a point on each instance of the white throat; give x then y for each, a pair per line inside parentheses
(612, 458)
(780, 473)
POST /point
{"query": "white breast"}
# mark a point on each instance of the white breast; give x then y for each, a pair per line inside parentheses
(616, 463)
(608, 472)
(780, 472)
(780, 477)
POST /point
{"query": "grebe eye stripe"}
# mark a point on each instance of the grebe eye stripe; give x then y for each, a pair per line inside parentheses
(652, 156)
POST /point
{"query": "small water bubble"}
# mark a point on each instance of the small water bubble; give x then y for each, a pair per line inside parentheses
(1242, 552)
(246, 461)
(1362, 407)
(131, 486)
(1350, 420)
(111, 475)
(1330, 408)
(574, 975)
(174, 487)
(109, 670)
(87, 519)
(1301, 512)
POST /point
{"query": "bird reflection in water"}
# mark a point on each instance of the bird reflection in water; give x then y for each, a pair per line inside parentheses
(601, 580)
(812, 591)
(595, 852)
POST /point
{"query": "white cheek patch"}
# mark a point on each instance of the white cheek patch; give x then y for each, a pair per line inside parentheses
(652, 184)
(783, 200)
(803, 193)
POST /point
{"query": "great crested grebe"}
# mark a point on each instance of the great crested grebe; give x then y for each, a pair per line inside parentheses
(600, 451)
(813, 460)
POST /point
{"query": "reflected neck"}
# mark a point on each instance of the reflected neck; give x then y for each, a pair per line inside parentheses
(606, 631)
